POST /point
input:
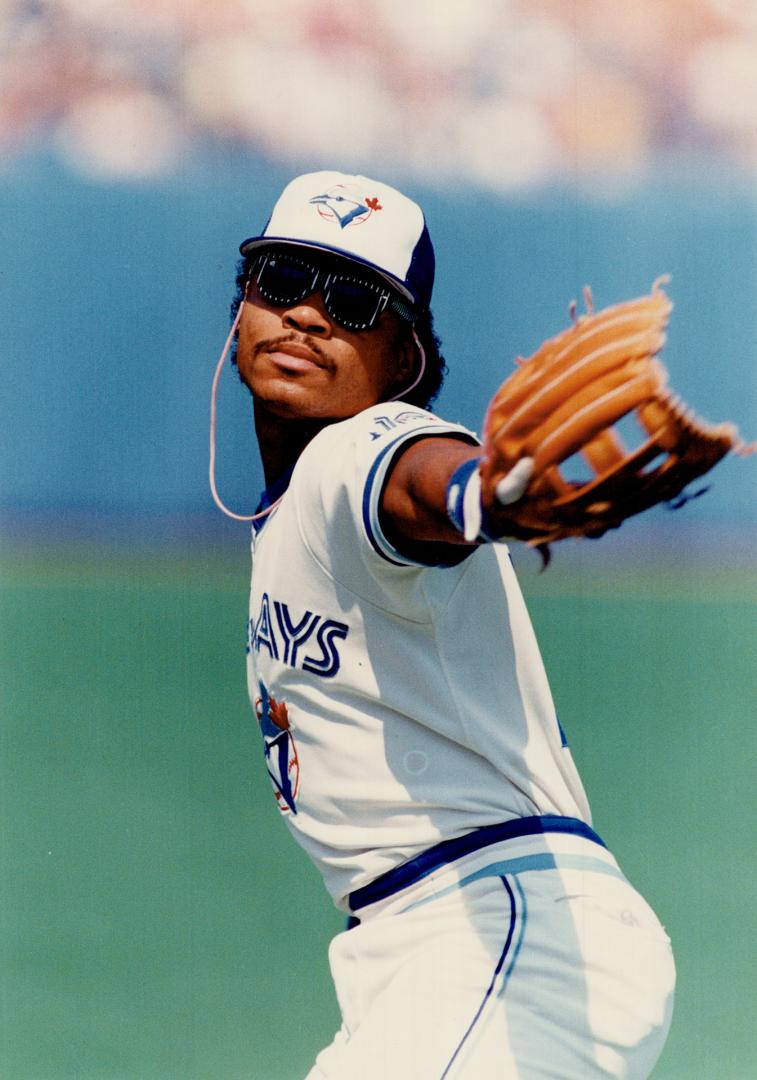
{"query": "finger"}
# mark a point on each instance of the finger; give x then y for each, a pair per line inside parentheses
(513, 486)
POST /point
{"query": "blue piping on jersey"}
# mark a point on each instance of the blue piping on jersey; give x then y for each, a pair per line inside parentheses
(521, 935)
(498, 968)
(377, 540)
(374, 535)
(448, 851)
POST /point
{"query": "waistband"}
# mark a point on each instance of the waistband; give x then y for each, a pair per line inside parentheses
(448, 851)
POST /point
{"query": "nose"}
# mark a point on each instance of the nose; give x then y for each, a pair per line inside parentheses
(309, 316)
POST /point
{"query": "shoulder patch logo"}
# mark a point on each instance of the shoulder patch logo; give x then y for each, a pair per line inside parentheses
(281, 757)
(382, 424)
(346, 205)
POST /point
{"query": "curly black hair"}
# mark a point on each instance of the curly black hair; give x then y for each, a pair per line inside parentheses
(433, 376)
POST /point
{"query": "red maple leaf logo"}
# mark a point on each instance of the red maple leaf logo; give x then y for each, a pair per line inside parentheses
(278, 712)
(373, 203)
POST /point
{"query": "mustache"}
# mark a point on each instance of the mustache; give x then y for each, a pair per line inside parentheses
(271, 344)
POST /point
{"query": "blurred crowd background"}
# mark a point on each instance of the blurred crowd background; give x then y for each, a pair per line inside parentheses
(552, 145)
(506, 94)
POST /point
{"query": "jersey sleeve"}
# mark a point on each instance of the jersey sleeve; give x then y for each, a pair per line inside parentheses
(339, 481)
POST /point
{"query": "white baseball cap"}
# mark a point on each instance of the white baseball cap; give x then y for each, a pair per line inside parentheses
(360, 219)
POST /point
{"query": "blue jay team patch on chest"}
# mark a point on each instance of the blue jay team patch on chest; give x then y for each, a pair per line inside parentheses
(281, 757)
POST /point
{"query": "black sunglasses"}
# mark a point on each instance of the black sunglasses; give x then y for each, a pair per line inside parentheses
(354, 299)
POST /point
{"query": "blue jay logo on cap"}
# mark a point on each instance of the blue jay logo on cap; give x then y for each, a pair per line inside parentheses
(345, 205)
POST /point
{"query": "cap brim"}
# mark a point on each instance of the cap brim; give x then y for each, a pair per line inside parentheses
(256, 242)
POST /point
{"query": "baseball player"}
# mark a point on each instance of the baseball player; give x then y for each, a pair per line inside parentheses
(407, 723)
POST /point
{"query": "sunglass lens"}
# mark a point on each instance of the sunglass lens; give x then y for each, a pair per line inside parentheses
(354, 303)
(283, 279)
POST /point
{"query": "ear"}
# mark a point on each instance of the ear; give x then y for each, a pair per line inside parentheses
(405, 360)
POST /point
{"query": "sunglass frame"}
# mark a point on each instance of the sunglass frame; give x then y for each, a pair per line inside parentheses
(323, 280)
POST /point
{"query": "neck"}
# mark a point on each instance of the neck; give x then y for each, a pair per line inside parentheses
(281, 440)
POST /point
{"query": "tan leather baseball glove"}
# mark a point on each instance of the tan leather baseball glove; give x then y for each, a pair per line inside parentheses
(566, 398)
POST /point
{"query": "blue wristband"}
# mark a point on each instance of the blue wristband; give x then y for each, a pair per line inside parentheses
(464, 507)
(464, 503)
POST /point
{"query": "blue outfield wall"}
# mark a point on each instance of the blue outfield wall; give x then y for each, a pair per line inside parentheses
(115, 307)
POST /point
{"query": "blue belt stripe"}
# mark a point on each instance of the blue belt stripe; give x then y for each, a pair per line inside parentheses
(448, 851)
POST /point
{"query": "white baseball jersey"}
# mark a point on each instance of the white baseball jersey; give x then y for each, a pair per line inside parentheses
(400, 704)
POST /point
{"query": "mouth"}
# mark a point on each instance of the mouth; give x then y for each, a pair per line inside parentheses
(295, 356)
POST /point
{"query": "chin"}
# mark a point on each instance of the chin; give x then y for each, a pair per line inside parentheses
(292, 399)
(291, 402)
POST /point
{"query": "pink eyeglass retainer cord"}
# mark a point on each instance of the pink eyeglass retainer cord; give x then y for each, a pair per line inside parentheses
(214, 410)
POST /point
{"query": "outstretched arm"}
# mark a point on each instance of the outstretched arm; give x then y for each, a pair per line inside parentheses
(423, 498)
(563, 400)
(414, 504)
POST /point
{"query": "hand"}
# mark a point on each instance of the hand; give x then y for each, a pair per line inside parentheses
(489, 523)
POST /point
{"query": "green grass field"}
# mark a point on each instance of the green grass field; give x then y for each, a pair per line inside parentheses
(157, 921)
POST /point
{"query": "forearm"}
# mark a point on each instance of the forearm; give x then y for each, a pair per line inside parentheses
(414, 504)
